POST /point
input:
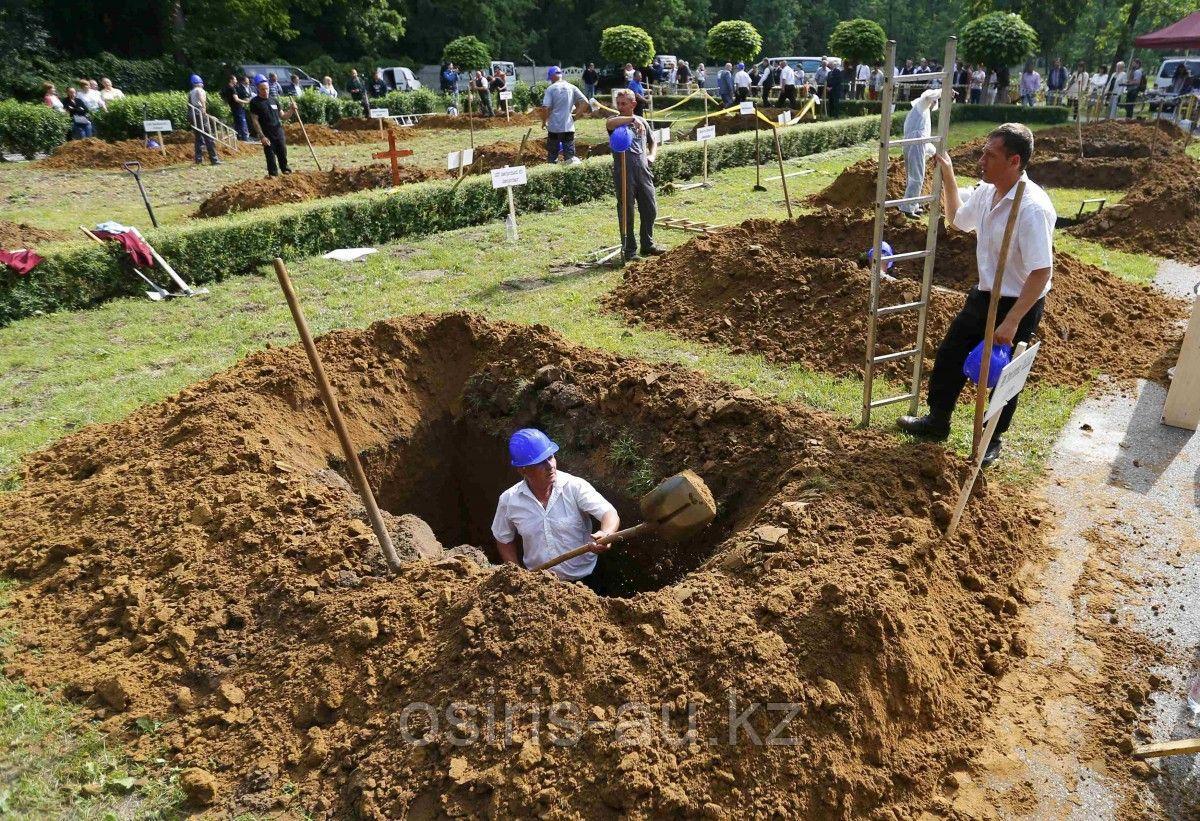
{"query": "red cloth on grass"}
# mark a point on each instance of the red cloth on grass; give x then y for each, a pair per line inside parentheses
(22, 261)
(137, 248)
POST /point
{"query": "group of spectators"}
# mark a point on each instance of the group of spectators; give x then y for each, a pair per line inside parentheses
(480, 85)
(82, 100)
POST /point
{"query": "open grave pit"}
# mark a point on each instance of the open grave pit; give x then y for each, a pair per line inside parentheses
(203, 563)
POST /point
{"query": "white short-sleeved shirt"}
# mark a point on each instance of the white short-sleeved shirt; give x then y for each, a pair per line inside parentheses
(1032, 244)
(742, 79)
(561, 526)
(561, 98)
(787, 76)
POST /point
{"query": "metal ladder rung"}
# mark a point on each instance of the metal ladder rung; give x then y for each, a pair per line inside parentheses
(891, 400)
(891, 357)
(905, 255)
(896, 309)
(908, 201)
(935, 138)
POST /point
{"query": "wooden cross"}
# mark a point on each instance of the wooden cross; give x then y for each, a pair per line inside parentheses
(393, 154)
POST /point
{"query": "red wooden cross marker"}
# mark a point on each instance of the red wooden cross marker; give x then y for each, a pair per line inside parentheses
(393, 154)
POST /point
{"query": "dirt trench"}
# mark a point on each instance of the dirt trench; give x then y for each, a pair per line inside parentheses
(22, 235)
(96, 153)
(204, 564)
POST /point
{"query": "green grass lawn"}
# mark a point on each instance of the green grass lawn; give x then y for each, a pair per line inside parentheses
(64, 371)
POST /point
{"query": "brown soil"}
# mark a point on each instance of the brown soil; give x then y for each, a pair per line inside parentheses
(302, 186)
(855, 186)
(203, 564)
(324, 135)
(499, 154)
(369, 124)
(1115, 154)
(94, 153)
(20, 235)
(797, 291)
(463, 122)
(1158, 216)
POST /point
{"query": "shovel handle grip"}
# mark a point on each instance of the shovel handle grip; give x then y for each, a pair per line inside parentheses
(609, 539)
(133, 167)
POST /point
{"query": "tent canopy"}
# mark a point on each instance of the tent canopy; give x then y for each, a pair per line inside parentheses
(1183, 34)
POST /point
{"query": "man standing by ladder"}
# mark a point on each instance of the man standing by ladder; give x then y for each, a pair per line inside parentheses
(1027, 273)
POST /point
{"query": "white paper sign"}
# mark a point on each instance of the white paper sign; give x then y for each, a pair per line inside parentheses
(380, 113)
(705, 133)
(156, 125)
(459, 159)
(1012, 379)
(508, 177)
(663, 135)
(784, 117)
(505, 95)
(746, 107)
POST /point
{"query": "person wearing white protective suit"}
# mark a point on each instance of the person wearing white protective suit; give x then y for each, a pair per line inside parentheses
(918, 123)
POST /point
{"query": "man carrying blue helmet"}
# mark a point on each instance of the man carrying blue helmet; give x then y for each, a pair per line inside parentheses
(552, 512)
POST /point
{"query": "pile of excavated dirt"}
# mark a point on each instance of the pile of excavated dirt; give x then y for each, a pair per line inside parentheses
(855, 186)
(502, 153)
(462, 121)
(370, 124)
(797, 291)
(738, 123)
(96, 153)
(1157, 216)
(203, 564)
(1115, 154)
(21, 235)
(319, 134)
(302, 186)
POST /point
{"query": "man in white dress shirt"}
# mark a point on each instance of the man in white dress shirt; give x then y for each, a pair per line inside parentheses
(552, 512)
(1027, 273)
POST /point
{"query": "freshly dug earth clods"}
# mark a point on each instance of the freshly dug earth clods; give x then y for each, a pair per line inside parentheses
(797, 291)
(302, 186)
(855, 186)
(502, 153)
(462, 121)
(203, 563)
(320, 135)
(20, 235)
(1158, 216)
(739, 123)
(96, 153)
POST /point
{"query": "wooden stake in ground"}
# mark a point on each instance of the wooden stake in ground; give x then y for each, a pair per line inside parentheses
(1184, 746)
(624, 205)
(393, 154)
(470, 119)
(304, 131)
(335, 416)
(705, 176)
(787, 200)
(758, 186)
(981, 390)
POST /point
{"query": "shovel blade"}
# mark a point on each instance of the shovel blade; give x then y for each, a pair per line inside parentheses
(679, 506)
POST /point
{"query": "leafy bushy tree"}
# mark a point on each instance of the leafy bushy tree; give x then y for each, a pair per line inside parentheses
(627, 44)
(858, 41)
(467, 52)
(734, 41)
(998, 39)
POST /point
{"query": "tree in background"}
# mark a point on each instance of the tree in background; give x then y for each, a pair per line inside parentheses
(627, 44)
(468, 53)
(676, 26)
(858, 41)
(734, 41)
(997, 40)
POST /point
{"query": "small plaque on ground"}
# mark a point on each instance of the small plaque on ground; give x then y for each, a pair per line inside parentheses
(508, 177)
(746, 107)
(156, 125)
(380, 113)
(705, 133)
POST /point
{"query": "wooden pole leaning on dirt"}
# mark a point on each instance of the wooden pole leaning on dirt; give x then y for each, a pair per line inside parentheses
(981, 390)
(787, 200)
(335, 416)
(758, 186)
(624, 205)
(304, 132)
(1184, 746)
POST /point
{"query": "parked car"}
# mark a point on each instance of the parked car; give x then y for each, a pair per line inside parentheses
(400, 78)
(1162, 80)
(808, 64)
(510, 73)
(291, 78)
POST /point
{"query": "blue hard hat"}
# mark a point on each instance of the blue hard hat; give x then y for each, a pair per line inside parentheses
(1001, 355)
(887, 252)
(196, 80)
(550, 72)
(529, 446)
(260, 78)
(741, 65)
(620, 139)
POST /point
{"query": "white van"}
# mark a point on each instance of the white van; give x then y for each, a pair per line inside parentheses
(510, 73)
(400, 78)
(1162, 81)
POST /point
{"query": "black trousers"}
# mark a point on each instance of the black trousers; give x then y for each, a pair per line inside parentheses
(766, 95)
(639, 191)
(276, 152)
(786, 94)
(1130, 99)
(594, 583)
(965, 332)
(741, 94)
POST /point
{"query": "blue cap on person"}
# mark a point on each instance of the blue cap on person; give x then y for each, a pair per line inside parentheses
(552, 72)
(260, 78)
(741, 66)
(529, 446)
(196, 80)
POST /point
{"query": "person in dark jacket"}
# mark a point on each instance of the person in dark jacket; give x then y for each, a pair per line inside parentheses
(266, 117)
(358, 92)
(498, 83)
(81, 123)
(591, 78)
(833, 84)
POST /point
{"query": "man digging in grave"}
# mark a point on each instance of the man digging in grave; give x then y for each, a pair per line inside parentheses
(552, 512)
(1027, 273)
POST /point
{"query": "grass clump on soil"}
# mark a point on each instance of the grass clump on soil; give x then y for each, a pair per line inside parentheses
(257, 625)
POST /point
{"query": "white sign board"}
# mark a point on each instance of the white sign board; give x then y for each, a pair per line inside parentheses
(505, 95)
(1012, 379)
(459, 159)
(156, 125)
(705, 133)
(784, 117)
(746, 107)
(508, 177)
(380, 113)
(663, 135)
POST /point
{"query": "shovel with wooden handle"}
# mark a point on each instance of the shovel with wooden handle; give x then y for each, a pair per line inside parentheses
(678, 507)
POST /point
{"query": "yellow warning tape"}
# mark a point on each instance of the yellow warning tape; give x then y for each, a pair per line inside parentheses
(678, 104)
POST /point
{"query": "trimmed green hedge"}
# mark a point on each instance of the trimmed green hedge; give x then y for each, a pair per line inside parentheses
(123, 119)
(31, 128)
(207, 251)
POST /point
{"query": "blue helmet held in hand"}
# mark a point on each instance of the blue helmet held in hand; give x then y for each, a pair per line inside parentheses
(620, 139)
(529, 446)
(196, 80)
(1001, 355)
